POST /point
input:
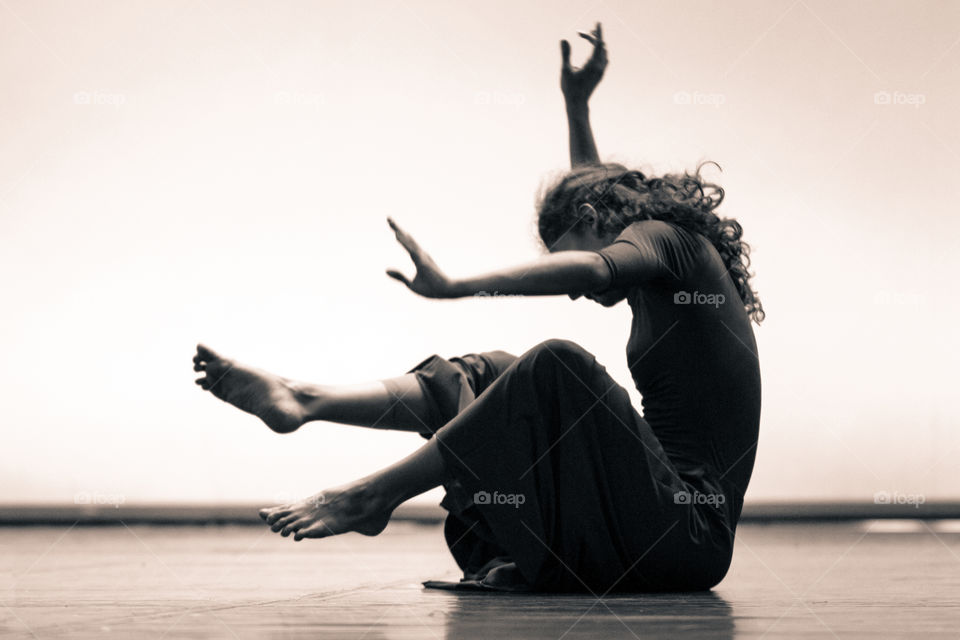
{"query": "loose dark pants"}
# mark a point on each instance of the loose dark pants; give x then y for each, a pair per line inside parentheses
(549, 466)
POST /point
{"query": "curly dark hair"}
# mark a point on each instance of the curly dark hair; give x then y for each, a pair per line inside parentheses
(622, 196)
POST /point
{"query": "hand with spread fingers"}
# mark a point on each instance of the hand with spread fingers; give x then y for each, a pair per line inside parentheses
(429, 280)
(578, 84)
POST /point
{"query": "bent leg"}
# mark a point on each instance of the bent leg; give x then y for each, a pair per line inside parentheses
(363, 506)
(565, 476)
(440, 388)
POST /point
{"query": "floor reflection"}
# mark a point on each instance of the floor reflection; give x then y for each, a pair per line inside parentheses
(495, 615)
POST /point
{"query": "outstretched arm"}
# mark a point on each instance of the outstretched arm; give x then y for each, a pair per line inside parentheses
(560, 273)
(577, 86)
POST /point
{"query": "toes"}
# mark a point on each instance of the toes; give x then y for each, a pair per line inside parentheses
(206, 353)
(296, 525)
(217, 371)
(282, 522)
(267, 512)
(276, 513)
(318, 529)
(199, 364)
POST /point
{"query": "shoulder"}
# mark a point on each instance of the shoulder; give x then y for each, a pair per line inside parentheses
(675, 250)
(655, 231)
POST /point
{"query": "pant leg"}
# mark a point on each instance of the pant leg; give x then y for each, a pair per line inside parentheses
(570, 482)
(450, 386)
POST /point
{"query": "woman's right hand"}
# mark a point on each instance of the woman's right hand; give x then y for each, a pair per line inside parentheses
(430, 281)
(578, 83)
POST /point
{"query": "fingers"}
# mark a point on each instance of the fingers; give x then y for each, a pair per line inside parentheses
(565, 54)
(595, 37)
(599, 56)
(396, 275)
(421, 259)
(406, 240)
(402, 235)
(598, 59)
(397, 231)
(429, 280)
(410, 245)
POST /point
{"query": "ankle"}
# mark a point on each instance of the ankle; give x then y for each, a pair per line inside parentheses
(377, 495)
(313, 399)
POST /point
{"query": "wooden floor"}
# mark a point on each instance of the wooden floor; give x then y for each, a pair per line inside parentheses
(868, 579)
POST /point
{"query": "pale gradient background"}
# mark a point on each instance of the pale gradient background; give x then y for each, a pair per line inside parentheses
(220, 171)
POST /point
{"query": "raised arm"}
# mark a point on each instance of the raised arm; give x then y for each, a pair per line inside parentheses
(560, 273)
(577, 86)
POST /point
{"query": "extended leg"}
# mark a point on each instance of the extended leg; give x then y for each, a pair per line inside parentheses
(285, 405)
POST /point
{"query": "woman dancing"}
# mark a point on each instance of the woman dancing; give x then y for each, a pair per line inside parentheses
(554, 482)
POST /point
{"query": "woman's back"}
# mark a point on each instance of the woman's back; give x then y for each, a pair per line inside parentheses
(691, 352)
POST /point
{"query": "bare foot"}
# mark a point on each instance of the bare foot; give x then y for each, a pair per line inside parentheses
(271, 398)
(331, 512)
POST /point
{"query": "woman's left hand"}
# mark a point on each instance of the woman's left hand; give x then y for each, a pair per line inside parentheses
(578, 84)
(430, 281)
